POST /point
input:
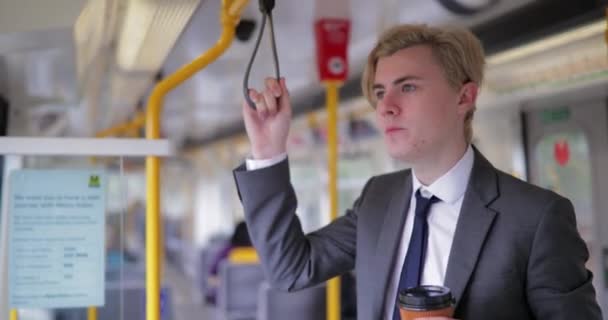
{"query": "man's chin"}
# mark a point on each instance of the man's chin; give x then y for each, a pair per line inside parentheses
(400, 155)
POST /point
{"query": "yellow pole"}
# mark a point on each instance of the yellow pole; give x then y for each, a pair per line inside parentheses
(606, 32)
(231, 10)
(13, 315)
(333, 286)
(92, 313)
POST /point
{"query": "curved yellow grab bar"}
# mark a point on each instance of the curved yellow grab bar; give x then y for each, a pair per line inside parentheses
(128, 127)
(333, 286)
(230, 16)
(234, 7)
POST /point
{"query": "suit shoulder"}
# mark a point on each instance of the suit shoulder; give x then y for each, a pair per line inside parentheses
(379, 184)
(516, 192)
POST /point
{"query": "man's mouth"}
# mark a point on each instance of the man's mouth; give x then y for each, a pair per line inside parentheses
(392, 129)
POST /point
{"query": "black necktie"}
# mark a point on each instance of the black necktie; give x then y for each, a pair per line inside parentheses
(416, 251)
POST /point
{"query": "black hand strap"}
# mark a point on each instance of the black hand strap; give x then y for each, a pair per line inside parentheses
(266, 7)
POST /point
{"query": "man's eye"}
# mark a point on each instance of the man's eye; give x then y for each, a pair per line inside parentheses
(379, 95)
(408, 88)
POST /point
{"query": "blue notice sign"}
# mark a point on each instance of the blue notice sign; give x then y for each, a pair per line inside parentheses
(56, 238)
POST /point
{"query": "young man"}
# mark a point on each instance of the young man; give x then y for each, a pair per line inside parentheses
(505, 248)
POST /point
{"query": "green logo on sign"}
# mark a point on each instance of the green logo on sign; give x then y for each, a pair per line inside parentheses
(555, 115)
(94, 181)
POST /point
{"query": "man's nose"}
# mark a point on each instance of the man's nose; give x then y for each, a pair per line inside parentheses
(388, 106)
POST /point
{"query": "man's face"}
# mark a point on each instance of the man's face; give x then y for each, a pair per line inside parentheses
(417, 109)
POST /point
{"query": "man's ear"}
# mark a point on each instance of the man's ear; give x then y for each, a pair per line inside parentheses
(468, 97)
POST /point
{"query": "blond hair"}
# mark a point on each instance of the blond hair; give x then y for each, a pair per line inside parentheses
(458, 52)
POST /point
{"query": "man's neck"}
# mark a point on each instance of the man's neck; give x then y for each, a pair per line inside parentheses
(432, 168)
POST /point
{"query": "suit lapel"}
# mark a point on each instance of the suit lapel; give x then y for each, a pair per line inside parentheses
(389, 239)
(473, 225)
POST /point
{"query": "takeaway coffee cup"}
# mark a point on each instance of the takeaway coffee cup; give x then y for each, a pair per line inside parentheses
(425, 301)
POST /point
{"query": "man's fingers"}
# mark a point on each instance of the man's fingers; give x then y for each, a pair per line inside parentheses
(260, 103)
(255, 97)
(246, 107)
(273, 86)
(272, 99)
(283, 84)
(271, 102)
(284, 101)
(248, 112)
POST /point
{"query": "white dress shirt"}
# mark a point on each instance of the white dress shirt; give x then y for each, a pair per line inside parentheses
(442, 219)
(253, 164)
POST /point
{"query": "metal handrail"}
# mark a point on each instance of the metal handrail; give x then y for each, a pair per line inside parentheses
(138, 122)
(230, 15)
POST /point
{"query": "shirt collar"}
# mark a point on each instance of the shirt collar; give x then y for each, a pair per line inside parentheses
(451, 186)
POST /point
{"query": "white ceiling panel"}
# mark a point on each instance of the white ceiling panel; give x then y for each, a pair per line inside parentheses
(18, 16)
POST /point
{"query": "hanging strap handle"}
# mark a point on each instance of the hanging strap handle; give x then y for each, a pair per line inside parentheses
(266, 7)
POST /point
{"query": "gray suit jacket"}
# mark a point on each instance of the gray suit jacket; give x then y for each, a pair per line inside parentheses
(516, 253)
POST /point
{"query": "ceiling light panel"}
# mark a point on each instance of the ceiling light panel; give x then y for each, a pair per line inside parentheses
(549, 43)
(150, 30)
(572, 56)
(93, 30)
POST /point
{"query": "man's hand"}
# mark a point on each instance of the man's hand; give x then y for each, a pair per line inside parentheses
(268, 126)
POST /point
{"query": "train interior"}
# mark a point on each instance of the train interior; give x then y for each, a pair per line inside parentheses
(88, 69)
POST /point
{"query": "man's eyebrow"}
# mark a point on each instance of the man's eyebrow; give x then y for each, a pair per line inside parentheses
(397, 81)
(377, 86)
(405, 78)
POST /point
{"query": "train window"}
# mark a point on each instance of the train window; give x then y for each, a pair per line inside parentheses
(306, 181)
(564, 166)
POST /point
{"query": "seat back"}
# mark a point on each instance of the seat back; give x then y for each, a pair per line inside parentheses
(207, 256)
(306, 304)
(238, 290)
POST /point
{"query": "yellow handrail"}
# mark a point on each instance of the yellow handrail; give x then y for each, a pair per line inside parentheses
(230, 15)
(13, 315)
(128, 127)
(333, 286)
